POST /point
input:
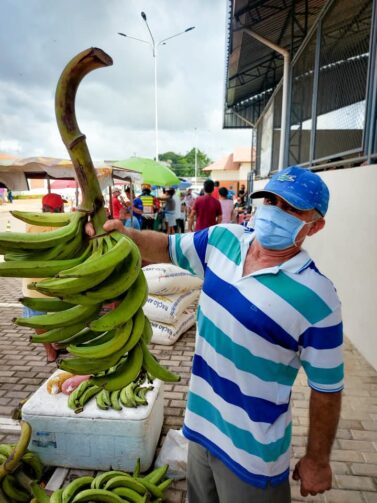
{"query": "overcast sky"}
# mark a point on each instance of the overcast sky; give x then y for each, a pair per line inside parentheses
(115, 105)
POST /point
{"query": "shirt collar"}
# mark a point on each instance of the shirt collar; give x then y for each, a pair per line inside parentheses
(294, 265)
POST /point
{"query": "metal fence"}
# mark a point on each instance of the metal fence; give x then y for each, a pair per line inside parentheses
(331, 93)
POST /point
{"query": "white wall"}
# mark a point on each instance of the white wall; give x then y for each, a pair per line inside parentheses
(346, 251)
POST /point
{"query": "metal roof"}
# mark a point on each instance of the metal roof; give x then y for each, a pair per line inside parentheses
(253, 70)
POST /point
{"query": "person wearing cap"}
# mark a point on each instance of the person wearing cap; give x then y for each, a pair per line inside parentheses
(265, 311)
(51, 203)
(151, 206)
(116, 204)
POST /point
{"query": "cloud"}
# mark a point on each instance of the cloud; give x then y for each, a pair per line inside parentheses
(115, 105)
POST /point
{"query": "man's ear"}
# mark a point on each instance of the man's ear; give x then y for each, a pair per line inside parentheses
(317, 226)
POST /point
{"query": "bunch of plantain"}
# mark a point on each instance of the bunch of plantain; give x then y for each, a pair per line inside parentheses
(20, 469)
(132, 395)
(82, 275)
(116, 487)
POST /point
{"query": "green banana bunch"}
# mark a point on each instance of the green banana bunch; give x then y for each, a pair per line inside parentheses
(115, 485)
(82, 275)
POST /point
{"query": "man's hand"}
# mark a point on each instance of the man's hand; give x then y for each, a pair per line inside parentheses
(108, 226)
(314, 478)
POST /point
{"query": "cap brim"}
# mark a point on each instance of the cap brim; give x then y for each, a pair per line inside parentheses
(265, 193)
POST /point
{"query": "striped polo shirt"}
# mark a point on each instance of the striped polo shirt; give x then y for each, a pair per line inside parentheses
(254, 333)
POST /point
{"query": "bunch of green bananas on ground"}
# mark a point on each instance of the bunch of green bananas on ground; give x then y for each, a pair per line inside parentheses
(132, 395)
(81, 278)
(20, 469)
(116, 487)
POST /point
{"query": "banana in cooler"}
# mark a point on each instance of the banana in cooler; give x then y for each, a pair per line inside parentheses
(94, 439)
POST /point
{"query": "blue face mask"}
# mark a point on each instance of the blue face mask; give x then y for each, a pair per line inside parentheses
(275, 229)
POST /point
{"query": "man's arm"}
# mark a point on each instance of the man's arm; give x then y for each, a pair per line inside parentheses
(153, 245)
(313, 470)
(191, 219)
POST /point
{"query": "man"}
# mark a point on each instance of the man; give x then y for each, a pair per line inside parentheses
(242, 194)
(264, 311)
(151, 206)
(215, 192)
(206, 210)
(116, 204)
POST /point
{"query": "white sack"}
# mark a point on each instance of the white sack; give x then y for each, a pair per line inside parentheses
(165, 279)
(169, 308)
(166, 334)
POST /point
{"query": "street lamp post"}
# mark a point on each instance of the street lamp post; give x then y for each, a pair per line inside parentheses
(154, 45)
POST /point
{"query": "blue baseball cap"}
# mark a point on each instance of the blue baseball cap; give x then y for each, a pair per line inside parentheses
(299, 187)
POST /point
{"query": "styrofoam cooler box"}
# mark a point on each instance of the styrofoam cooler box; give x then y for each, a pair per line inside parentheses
(94, 439)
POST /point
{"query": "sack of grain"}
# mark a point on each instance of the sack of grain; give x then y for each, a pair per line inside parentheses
(166, 334)
(166, 279)
(169, 308)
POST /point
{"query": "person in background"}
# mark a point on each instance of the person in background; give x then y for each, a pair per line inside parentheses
(151, 205)
(215, 192)
(226, 206)
(137, 205)
(10, 196)
(231, 192)
(265, 311)
(128, 219)
(116, 204)
(242, 194)
(189, 201)
(170, 211)
(206, 210)
(51, 203)
(180, 215)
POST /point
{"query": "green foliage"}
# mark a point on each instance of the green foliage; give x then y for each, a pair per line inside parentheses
(184, 165)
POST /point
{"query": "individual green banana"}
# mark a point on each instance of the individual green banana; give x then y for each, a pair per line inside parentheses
(151, 365)
(139, 394)
(100, 480)
(127, 395)
(13, 490)
(137, 330)
(2, 458)
(111, 258)
(132, 301)
(83, 366)
(100, 495)
(125, 373)
(56, 496)
(65, 318)
(115, 400)
(120, 280)
(31, 459)
(41, 269)
(4, 498)
(49, 304)
(43, 219)
(118, 338)
(157, 474)
(125, 480)
(76, 486)
(40, 240)
(87, 395)
(152, 488)
(129, 494)
(74, 397)
(83, 336)
(62, 287)
(147, 332)
(60, 333)
(39, 493)
(103, 399)
(165, 484)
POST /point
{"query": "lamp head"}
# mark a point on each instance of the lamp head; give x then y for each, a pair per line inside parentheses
(144, 16)
(189, 29)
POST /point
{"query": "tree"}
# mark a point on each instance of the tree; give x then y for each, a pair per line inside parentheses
(184, 165)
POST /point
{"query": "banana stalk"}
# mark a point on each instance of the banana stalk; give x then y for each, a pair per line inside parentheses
(73, 139)
(19, 450)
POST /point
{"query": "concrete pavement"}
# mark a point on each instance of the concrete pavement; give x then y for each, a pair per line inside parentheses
(354, 457)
